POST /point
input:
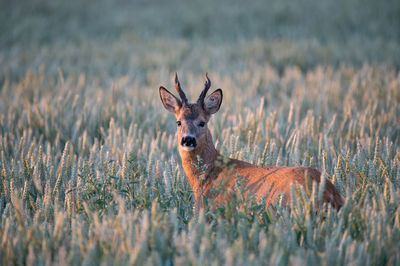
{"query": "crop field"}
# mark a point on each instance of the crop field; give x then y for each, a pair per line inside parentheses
(89, 168)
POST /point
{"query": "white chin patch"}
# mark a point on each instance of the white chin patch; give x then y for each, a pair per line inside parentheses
(186, 148)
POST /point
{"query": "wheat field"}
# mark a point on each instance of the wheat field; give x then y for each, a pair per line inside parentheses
(89, 168)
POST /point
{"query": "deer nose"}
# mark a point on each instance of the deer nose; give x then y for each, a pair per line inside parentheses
(189, 141)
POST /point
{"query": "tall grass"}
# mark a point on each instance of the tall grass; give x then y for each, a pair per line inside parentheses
(89, 169)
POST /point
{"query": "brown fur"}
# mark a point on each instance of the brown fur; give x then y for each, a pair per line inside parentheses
(263, 182)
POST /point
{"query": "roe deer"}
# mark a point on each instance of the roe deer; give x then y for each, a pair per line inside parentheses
(196, 146)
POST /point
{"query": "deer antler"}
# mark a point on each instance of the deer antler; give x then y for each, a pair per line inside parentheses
(179, 89)
(203, 94)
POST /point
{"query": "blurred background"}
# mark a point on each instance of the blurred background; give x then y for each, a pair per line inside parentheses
(106, 39)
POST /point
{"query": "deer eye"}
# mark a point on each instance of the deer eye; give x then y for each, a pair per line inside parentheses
(202, 124)
(178, 123)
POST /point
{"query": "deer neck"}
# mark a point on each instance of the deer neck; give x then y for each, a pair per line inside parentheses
(197, 172)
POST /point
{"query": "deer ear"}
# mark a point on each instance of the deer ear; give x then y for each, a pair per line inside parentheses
(170, 102)
(213, 102)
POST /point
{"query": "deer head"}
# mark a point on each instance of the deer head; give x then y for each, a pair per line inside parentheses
(192, 118)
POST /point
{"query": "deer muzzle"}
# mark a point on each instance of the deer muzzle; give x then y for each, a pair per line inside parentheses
(189, 142)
